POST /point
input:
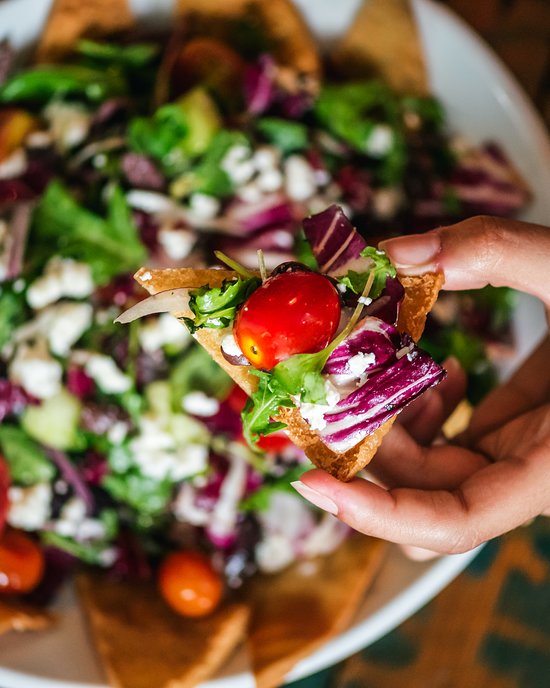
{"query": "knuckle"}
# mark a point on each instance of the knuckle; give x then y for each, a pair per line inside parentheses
(491, 238)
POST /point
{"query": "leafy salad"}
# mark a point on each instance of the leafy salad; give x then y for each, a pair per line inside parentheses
(121, 444)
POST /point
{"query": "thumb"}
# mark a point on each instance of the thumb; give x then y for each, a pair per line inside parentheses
(479, 251)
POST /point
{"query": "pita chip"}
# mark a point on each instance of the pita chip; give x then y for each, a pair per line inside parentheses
(299, 610)
(143, 643)
(70, 20)
(17, 616)
(384, 41)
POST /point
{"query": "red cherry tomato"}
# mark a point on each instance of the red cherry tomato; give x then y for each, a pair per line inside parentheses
(291, 313)
(21, 562)
(4, 486)
(189, 584)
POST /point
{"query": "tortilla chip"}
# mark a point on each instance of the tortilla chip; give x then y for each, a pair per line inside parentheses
(17, 616)
(70, 20)
(383, 41)
(256, 26)
(296, 612)
(143, 643)
(420, 295)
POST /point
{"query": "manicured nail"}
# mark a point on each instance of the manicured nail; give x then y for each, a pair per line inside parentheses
(320, 500)
(413, 254)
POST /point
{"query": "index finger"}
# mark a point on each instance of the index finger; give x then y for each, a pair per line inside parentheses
(479, 251)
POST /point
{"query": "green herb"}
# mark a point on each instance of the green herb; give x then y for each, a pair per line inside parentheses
(303, 251)
(216, 308)
(27, 462)
(109, 245)
(262, 406)
(286, 135)
(44, 83)
(136, 55)
(89, 552)
(261, 499)
(148, 497)
(382, 268)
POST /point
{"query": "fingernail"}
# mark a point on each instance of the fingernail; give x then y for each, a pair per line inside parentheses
(414, 254)
(320, 500)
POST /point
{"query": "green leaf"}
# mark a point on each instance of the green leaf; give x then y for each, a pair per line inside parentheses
(300, 375)
(109, 245)
(197, 371)
(382, 269)
(286, 135)
(135, 55)
(88, 552)
(41, 84)
(12, 312)
(143, 494)
(216, 307)
(27, 462)
(262, 406)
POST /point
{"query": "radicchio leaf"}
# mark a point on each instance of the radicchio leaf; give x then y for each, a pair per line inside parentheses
(335, 243)
(384, 394)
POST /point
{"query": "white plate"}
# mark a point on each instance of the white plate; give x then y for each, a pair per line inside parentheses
(483, 101)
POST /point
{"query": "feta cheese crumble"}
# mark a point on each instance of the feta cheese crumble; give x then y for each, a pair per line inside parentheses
(165, 330)
(29, 507)
(177, 243)
(300, 182)
(380, 141)
(360, 362)
(36, 371)
(62, 277)
(198, 404)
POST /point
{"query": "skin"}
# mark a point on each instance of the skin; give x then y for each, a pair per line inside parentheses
(449, 497)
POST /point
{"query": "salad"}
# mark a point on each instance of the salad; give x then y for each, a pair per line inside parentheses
(120, 445)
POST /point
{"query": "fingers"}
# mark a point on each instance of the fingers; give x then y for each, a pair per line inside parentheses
(492, 501)
(528, 388)
(479, 251)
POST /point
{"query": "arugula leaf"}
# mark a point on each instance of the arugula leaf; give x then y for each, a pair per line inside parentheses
(148, 497)
(109, 245)
(382, 269)
(261, 499)
(300, 375)
(88, 552)
(261, 406)
(286, 135)
(27, 462)
(12, 312)
(216, 308)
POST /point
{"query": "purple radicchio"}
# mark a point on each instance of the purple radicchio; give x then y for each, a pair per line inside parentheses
(390, 381)
(334, 241)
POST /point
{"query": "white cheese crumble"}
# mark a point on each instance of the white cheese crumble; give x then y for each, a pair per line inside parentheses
(165, 330)
(204, 206)
(365, 300)
(300, 182)
(74, 522)
(360, 362)
(314, 413)
(380, 141)
(238, 164)
(36, 371)
(117, 432)
(274, 553)
(250, 193)
(66, 323)
(62, 277)
(177, 243)
(105, 373)
(270, 180)
(150, 202)
(29, 507)
(159, 455)
(198, 404)
(266, 158)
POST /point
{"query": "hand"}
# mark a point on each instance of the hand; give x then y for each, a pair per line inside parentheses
(452, 497)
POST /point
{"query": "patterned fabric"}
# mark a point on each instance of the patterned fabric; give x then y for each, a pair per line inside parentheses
(490, 628)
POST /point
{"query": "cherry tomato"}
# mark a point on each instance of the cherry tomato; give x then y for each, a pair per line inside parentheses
(21, 562)
(189, 584)
(4, 486)
(291, 313)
